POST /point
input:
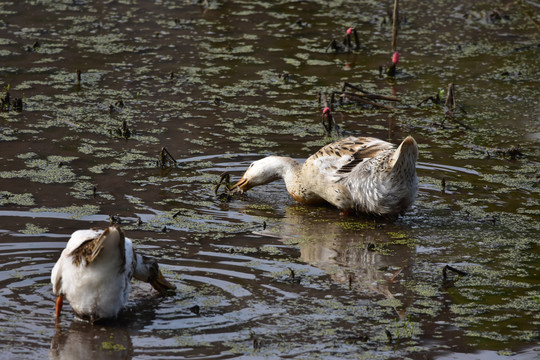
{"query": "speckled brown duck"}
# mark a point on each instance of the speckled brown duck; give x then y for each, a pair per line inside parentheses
(355, 174)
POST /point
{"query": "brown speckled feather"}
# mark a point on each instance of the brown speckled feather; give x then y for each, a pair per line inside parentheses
(341, 157)
(90, 249)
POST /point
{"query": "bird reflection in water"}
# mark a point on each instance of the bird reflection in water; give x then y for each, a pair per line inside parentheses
(355, 252)
(107, 339)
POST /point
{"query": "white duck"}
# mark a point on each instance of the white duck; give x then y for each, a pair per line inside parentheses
(360, 174)
(94, 272)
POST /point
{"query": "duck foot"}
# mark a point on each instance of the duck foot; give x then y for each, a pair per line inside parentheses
(58, 305)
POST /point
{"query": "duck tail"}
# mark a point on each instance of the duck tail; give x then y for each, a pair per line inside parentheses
(405, 156)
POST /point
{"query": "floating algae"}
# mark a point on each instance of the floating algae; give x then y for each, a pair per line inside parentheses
(25, 199)
(53, 169)
(233, 84)
(74, 212)
(32, 229)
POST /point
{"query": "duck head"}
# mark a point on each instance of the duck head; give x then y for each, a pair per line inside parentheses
(260, 172)
(147, 270)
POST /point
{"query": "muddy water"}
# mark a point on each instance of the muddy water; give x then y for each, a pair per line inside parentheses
(260, 275)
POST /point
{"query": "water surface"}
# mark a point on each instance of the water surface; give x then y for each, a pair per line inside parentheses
(223, 85)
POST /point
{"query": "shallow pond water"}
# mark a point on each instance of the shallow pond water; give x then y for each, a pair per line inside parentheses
(224, 83)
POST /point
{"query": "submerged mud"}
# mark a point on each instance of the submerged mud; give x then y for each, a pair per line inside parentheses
(106, 85)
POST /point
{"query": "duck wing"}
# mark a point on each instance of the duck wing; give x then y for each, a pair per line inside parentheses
(78, 238)
(337, 160)
(90, 248)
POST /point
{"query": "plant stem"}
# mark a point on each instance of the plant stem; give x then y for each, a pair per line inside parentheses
(395, 17)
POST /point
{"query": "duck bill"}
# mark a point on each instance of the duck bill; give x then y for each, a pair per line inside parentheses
(241, 186)
(161, 284)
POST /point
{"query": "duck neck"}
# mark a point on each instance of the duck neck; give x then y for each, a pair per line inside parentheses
(289, 170)
(141, 271)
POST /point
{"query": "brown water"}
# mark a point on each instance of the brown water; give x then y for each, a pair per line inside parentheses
(260, 276)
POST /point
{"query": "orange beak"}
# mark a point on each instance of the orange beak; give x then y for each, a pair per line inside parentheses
(161, 284)
(241, 186)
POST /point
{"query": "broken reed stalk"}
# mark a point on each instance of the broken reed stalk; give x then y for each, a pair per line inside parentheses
(224, 180)
(373, 96)
(363, 96)
(323, 100)
(348, 39)
(166, 157)
(451, 268)
(434, 99)
(6, 101)
(451, 107)
(395, 16)
(327, 115)
(356, 39)
(124, 130)
(367, 94)
(450, 97)
(348, 42)
(334, 45)
(363, 99)
(354, 87)
(443, 185)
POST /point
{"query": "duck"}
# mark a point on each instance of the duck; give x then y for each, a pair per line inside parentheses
(362, 175)
(94, 272)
